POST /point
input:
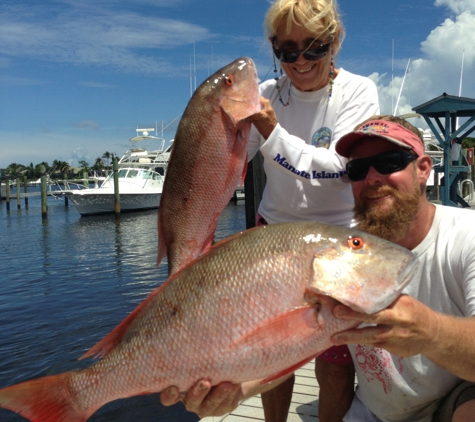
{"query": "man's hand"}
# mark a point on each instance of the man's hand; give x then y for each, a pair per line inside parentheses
(205, 400)
(405, 328)
(223, 398)
(265, 121)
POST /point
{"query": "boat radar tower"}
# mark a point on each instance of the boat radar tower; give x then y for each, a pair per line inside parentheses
(143, 135)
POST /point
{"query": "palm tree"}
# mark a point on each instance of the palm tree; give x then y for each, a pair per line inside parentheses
(15, 170)
(84, 165)
(31, 172)
(107, 156)
(98, 164)
(65, 167)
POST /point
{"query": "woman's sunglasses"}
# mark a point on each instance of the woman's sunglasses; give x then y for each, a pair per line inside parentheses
(385, 163)
(310, 53)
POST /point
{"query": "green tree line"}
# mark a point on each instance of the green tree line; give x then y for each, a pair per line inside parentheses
(58, 169)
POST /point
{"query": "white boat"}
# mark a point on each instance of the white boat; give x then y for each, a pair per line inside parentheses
(141, 175)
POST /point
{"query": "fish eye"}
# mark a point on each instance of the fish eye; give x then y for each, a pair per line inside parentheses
(355, 242)
(228, 80)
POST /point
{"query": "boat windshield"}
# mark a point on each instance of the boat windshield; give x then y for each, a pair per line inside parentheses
(135, 173)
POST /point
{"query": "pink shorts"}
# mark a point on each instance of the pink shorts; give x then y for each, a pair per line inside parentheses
(260, 220)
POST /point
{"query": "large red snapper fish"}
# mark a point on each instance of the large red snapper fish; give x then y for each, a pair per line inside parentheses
(208, 159)
(257, 305)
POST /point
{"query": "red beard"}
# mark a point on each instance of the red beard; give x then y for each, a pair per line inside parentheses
(390, 224)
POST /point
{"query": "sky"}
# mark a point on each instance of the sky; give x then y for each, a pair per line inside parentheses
(77, 77)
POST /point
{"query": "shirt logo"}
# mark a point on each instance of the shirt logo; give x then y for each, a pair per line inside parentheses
(322, 138)
(311, 174)
(374, 128)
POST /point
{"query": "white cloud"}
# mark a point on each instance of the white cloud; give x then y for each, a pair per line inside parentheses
(447, 42)
(87, 124)
(79, 154)
(438, 70)
(457, 6)
(93, 35)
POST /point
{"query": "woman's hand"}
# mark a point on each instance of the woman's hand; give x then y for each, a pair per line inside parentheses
(265, 121)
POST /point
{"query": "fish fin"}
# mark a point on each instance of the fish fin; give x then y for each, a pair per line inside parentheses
(104, 346)
(208, 242)
(287, 371)
(46, 399)
(232, 237)
(300, 322)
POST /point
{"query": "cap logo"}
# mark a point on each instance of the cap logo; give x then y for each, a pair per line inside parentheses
(374, 127)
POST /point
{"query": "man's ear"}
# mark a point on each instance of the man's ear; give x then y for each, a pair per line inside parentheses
(424, 167)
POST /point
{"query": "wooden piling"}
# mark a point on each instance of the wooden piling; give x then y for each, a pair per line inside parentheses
(115, 167)
(254, 187)
(7, 191)
(44, 197)
(18, 193)
(86, 179)
(65, 187)
(25, 189)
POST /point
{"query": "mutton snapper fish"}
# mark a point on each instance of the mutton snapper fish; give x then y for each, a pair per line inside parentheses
(208, 159)
(255, 306)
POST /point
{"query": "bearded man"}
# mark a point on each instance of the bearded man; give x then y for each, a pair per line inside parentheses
(415, 360)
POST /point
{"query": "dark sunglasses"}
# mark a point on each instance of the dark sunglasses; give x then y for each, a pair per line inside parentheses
(385, 163)
(310, 53)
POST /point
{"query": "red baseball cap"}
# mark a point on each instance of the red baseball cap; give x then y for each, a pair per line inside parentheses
(390, 131)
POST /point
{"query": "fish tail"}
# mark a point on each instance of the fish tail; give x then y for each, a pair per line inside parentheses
(45, 399)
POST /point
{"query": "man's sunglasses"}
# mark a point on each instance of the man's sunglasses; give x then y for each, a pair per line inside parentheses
(385, 163)
(310, 53)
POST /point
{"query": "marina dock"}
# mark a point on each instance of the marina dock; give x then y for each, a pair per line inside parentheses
(304, 407)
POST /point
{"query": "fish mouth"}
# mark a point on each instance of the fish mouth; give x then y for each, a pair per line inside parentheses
(406, 275)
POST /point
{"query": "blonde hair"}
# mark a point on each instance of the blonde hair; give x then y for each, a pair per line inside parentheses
(320, 17)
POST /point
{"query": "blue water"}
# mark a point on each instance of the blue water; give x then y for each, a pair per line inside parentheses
(67, 281)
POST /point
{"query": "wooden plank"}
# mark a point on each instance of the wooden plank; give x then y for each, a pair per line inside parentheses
(304, 406)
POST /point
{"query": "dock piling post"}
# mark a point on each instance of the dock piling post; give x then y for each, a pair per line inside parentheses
(25, 189)
(18, 193)
(115, 167)
(44, 197)
(66, 187)
(7, 191)
(254, 184)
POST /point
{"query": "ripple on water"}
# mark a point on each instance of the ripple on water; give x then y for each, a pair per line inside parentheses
(67, 281)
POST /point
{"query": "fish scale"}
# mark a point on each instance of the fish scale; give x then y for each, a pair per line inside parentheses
(253, 307)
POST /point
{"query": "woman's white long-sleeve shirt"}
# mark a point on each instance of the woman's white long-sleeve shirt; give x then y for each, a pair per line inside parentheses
(306, 178)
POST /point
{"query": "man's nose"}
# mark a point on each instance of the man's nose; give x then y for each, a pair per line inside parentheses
(373, 176)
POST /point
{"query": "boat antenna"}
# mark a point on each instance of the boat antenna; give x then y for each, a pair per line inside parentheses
(461, 73)
(402, 86)
(194, 64)
(191, 81)
(460, 86)
(392, 78)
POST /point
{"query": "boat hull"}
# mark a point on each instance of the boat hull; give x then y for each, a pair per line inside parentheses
(102, 203)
